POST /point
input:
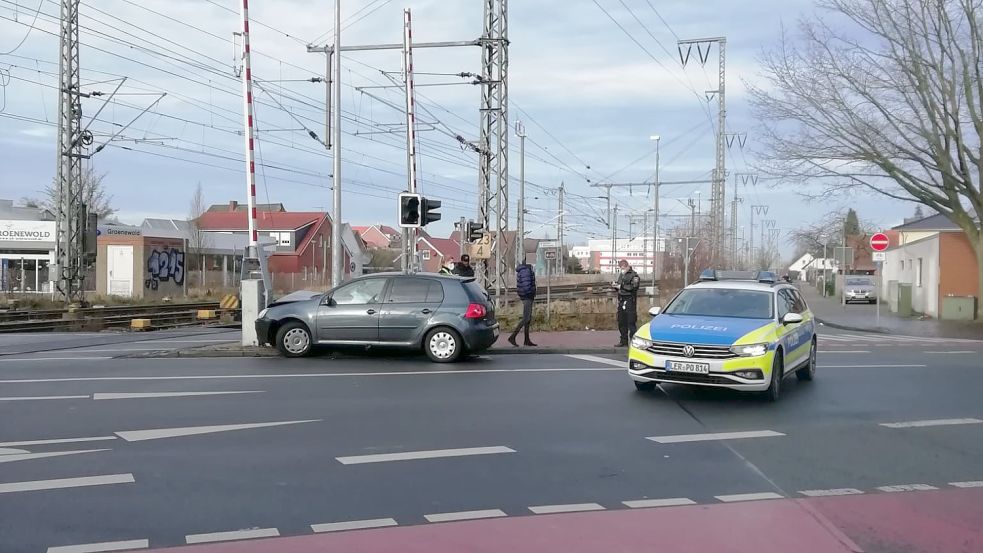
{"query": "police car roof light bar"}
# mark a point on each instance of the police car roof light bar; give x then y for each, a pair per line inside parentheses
(708, 274)
(767, 277)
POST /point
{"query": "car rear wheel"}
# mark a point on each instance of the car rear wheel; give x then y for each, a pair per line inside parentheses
(443, 345)
(774, 391)
(294, 339)
(808, 372)
(644, 386)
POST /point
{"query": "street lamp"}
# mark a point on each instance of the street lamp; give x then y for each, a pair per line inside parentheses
(655, 209)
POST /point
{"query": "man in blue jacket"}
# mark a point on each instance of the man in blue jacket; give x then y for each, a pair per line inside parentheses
(525, 286)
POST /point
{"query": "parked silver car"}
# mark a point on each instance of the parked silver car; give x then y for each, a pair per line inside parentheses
(860, 288)
(445, 316)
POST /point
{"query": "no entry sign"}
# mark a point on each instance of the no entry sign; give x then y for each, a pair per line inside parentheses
(879, 242)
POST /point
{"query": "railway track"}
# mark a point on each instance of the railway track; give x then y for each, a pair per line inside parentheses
(100, 318)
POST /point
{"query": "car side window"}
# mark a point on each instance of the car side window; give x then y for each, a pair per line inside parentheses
(409, 290)
(785, 303)
(360, 292)
(800, 302)
(436, 292)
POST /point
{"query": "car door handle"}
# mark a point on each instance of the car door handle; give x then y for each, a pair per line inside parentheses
(426, 311)
(371, 311)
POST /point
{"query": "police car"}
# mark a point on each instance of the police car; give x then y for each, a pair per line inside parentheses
(732, 329)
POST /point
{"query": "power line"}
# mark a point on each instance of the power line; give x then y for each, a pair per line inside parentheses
(28, 33)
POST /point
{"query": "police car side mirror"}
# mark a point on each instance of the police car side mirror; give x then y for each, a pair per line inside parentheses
(791, 318)
(655, 311)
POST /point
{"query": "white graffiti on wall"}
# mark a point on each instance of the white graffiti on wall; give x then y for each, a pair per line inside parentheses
(164, 265)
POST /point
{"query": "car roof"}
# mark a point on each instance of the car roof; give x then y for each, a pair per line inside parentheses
(421, 274)
(740, 285)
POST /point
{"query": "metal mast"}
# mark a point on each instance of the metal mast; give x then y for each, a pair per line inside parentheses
(520, 221)
(409, 244)
(493, 141)
(69, 220)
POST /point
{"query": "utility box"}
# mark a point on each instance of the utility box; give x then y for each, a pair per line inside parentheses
(958, 308)
(904, 300)
(892, 295)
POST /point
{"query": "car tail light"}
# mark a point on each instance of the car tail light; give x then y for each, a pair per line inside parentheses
(475, 311)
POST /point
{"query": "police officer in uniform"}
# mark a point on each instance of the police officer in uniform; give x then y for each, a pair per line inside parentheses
(627, 287)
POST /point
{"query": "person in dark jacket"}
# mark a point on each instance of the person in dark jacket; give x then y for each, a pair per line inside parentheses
(463, 267)
(525, 287)
(627, 287)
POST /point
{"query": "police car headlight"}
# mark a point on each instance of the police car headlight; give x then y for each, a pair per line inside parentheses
(638, 342)
(750, 350)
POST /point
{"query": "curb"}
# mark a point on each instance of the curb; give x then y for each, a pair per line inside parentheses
(270, 353)
(840, 326)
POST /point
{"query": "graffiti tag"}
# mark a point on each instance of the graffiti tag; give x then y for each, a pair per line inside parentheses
(164, 265)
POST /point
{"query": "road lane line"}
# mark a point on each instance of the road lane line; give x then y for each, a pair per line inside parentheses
(101, 547)
(973, 484)
(871, 366)
(9, 360)
(353, 525)
(154, 395)
(679, 438)
(60, 483)
(907, 488)
(45, 455)
(598, 359)
(646, 503)
(303, 375)
(464, 515)
(232, 536)
(748, 497)
(831, 492)
(58, 441)
(158, 433)
(571, 508)
(40, 398)
(431, 454)
(11, 451)
(961, 351)
(844, 351)
(931, 422)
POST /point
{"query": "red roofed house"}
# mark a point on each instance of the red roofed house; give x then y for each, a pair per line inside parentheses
(379, 236)
(437, 252)
(303, 241)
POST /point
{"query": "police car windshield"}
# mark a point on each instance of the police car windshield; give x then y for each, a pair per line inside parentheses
(722, 302)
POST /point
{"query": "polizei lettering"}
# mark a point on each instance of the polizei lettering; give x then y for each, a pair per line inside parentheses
(700, 327)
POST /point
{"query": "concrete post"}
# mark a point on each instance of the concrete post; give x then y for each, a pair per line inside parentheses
(252, 302)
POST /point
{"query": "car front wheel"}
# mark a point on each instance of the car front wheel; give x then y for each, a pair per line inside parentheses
(443, 345)
(774, 391)
(294, 339)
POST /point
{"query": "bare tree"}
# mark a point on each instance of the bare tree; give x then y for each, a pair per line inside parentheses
(198, 240)
(94, 195)
(828, 231)
(888, 98)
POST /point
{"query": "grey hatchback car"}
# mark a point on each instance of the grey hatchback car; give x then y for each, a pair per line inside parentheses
(445, 316)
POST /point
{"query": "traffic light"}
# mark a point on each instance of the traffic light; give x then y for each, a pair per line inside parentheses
(475, 230)
(428, 208)
(409, 209)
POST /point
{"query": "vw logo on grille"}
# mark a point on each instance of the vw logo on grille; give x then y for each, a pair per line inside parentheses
(689, 351)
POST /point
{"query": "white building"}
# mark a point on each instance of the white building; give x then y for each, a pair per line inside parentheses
(638, 252)
(808, 264)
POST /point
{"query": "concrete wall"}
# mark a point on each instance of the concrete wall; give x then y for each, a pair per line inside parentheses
(924, 298)
(959, 273)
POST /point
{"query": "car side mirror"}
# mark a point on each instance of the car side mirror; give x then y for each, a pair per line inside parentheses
(655, 310)
(791, 318)
(328, 301)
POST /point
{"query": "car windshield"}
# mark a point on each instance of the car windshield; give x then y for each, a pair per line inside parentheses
(859, 282)
(722, 302)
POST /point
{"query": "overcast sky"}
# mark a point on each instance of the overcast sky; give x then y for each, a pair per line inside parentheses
(591, 96)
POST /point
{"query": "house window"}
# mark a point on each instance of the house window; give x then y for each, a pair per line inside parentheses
(918, 273)
(425, 255)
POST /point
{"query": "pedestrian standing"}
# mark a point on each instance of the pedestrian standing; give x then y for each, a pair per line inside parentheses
(627, 287)
(525, 287)
(463, 268)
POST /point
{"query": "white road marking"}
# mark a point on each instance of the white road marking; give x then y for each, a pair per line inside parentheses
(432, 454)
(572, 508)
(9, 451)
(353, 525)
(961, 351)
(598, 359)
(303, 375)
(932, 422)
(84, 358)
(907, 488)
(844, 351)
(234, 535)
(465, 515)
(153, 395)
(61, 483)
(871, 366)
(714, 436)
(646, 503)
(101, 547)
(156, 434)
(973, 484)
(58, 441)
(190, 341)
(40, 398)
(834, 491)
(748, 497)
(30, 456)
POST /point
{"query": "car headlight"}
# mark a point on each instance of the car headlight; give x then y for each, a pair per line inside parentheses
(263, 313)
(638, 342)
(750, 350)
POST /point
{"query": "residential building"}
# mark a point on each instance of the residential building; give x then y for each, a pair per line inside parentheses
(379, 236)
(436, 252)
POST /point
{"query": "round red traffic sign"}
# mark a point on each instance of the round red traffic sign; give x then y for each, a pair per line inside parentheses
(879, 242)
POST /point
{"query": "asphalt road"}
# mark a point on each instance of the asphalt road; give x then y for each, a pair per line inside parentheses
(97, 449)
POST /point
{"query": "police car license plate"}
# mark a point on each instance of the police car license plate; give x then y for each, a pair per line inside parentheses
(687, 367)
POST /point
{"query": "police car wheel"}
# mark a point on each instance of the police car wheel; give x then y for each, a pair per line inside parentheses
(808, 372)
(644, 386)
(774, 391)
